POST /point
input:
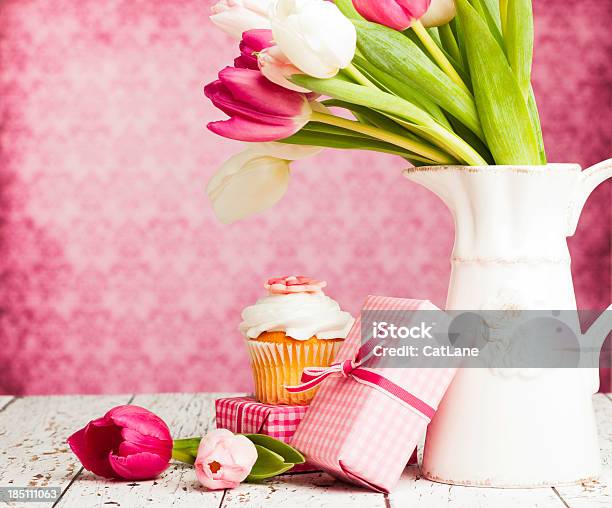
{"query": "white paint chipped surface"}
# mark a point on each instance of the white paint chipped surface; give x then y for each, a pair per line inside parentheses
(33, 452)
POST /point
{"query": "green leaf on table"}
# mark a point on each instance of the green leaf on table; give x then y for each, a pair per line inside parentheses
(400, 57)
(287, 452)
(502, 109)
(518, 39)
(267, 465)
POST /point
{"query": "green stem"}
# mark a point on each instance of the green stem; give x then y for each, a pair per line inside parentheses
(438, 56)
(358, 76)
(189, 442)
(383, 135)
(449, 41)
(183, 456)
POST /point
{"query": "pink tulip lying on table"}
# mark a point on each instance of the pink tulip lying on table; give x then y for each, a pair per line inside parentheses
(132, 443)
(128, 442)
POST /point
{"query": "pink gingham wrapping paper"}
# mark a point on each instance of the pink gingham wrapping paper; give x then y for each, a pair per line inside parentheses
(356, 432)
(245, 415)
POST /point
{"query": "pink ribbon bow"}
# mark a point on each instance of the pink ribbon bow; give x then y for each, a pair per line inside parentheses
(313, 376)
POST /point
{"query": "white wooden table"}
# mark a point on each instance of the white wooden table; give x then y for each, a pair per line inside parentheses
(33, 452)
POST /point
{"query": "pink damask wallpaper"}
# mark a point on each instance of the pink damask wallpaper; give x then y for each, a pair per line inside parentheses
(114, 274)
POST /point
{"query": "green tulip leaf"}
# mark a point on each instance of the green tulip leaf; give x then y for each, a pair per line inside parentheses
(503, 112)
(287, 452)
(518, 38)
(347, 8)
(403, 90)
(399, 56)
(267, 465)
(341, 142)
(489, 12)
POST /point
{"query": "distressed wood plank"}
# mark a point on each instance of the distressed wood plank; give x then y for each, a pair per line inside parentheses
(4, 401)
(187, 415)
(318, 490)
(413, 490)
(33, 432)
(597, 492)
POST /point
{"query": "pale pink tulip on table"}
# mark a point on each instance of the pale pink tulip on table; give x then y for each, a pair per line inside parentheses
(224, 459)
(237, 16)
(128, 442)
(259, 110)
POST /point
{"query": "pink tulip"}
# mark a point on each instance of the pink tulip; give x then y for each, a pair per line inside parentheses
(258, 51)
(259, 110)
(128, 442)
(397, 14)
(224, 459)
(253, 42)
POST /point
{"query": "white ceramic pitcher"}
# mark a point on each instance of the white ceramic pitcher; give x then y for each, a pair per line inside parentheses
(497, 428)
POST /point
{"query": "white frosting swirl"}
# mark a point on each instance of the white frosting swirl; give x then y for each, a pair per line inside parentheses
(299, 315)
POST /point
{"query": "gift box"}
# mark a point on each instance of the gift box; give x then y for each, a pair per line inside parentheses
(244, 415)
(363, 425)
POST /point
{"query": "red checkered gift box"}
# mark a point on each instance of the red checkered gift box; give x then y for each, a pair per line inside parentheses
(359, 432)
(245, 415)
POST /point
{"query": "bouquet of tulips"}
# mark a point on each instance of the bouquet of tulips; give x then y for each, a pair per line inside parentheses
(435, 82)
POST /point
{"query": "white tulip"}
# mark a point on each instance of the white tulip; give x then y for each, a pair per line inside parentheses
(237, 16)
(253, 180)
(439, 13)
(314, 35)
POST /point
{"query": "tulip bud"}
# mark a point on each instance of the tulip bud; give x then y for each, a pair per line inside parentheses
(237, 16)
(439, 13)
(128, 442)
(259, 109)
(224, 459)
(253, 42)
(275, 66)
(254, 179)
(397, 14)
(314, 35)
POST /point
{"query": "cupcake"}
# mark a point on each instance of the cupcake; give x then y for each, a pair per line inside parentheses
(295, 326)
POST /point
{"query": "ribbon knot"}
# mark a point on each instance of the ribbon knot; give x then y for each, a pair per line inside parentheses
(348, 366)
(353, 369)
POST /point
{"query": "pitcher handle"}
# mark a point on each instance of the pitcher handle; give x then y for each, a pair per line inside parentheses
(589, 179)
